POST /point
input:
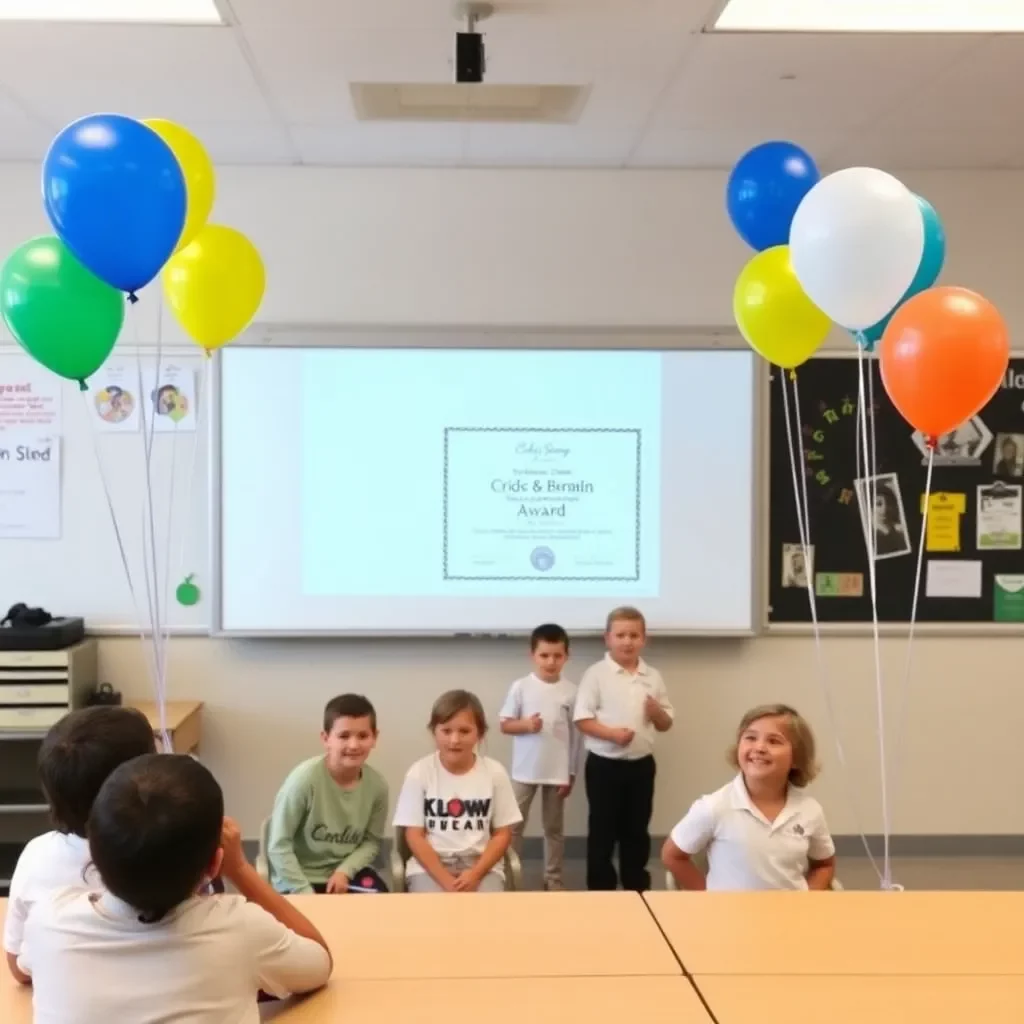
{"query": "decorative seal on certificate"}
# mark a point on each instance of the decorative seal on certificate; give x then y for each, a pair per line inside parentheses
(542, 559)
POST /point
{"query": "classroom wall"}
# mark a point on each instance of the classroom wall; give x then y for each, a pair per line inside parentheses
(596, 249)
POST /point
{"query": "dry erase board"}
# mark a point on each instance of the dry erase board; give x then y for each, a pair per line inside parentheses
(973, 568)
(58, 547)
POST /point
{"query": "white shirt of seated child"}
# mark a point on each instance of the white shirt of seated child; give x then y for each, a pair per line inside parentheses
(93, 962)
(52, 861)
(746, 851)
(457, 812)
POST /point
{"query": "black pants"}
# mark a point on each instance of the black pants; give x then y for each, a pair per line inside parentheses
(620, 795)
(367, 878)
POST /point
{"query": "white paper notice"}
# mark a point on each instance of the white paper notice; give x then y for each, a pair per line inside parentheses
(30, 396)
(115, 396)
(952, 578)
(29, 486)
(171, 400)
(999, 517)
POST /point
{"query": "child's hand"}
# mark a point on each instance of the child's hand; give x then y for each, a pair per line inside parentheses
(622, 737)
(651, 708)
(564, 791)
(231, 843)
(536, 722)
(467, 881)
(450, 883)
(338, 882)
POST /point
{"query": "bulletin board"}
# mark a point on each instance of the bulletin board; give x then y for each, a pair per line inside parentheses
(973, 569)
(58, 547)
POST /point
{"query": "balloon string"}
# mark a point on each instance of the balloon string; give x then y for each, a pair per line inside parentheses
(150, 561)
(869, 489)
(803, 517)
(119, 538)
(908, 666)
(165, 637)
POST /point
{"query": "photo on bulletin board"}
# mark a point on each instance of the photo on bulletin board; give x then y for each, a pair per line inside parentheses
(973, 564)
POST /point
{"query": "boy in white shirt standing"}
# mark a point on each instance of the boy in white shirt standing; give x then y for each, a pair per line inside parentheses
(538, 712)
(622, 703)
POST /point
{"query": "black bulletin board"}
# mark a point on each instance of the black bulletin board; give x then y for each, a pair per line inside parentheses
(973, 457)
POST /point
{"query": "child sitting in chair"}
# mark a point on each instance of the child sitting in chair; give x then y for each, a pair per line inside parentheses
(457, 808)
(329, 816)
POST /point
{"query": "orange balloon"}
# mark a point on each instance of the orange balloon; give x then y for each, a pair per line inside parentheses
(943, 356)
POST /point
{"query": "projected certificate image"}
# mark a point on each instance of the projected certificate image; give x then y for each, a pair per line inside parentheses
(536, 504)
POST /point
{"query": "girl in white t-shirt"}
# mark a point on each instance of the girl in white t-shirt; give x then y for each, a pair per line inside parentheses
(762, 830)
(457, 808)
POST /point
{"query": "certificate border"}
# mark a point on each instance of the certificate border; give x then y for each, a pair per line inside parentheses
(533, 579)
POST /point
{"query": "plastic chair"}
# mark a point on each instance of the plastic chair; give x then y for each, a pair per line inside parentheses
(262, 862)
(400, 854)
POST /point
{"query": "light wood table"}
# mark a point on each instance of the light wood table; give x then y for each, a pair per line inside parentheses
(184, 719)
(498, 1001)
(490, 935)
(740, 999)
(844, 933)
(15, 999)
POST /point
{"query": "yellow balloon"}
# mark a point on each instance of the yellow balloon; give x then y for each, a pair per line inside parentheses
(215, 285)
(197, 168)
(774, 314)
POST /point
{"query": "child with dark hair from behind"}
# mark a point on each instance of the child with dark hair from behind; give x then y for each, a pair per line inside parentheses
(75, 758)
(149, 949)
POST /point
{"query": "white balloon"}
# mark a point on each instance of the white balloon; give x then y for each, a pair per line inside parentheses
(855, 245)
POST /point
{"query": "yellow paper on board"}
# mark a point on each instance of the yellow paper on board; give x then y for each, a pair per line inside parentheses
(944, 511)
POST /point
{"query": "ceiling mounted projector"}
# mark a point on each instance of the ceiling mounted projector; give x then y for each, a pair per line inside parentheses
(470, 61)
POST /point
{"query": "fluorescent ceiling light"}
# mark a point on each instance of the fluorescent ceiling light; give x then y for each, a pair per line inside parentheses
(872, 16)
(159, 12)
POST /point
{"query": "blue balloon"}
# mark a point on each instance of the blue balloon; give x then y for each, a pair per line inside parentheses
(764, 190)
(116, 197)
(928, 270)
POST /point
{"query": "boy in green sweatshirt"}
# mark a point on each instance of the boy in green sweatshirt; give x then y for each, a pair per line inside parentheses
(330, 814)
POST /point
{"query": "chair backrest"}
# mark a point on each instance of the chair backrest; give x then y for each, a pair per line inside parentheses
(401, 845)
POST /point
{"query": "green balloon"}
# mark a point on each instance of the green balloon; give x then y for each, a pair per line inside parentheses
(61, 314)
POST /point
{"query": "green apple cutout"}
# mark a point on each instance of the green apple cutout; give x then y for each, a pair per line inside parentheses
(187, 592)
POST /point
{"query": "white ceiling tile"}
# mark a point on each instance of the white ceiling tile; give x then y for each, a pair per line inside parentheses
(380, 144)
(23, 138)
(716, 147)
(661, 94)
(545, 145)
(933, 150)
(245, 142)
(984, 90)
(744, 80)
(359, 15)
(185, 74)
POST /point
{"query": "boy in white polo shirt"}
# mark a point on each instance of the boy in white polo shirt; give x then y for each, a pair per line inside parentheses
(621, 704)
(761, 831)
(151, 946)
(538, 712)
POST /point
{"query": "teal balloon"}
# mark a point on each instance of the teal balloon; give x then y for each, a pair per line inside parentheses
(928, 270)
(61, 314)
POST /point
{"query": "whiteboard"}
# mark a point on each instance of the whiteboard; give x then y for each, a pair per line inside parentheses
(81, 573)
(360, 478)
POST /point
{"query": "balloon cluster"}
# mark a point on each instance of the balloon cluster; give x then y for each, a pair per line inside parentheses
(857, 247)
(128, 200)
